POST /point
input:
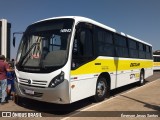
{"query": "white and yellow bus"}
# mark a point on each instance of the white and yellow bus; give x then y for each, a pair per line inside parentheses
(156, 63)
(66, 59)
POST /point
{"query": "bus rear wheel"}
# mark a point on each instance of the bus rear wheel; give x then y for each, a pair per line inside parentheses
(101, 90)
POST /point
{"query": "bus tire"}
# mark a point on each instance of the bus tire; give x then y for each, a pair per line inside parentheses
(17, 99)
(141, 79)
(101, 90)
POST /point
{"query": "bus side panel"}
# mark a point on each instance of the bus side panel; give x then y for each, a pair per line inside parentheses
(126, 73)
(127, 77)
(122, 71)
(87, 75)
(128, 70)
(113, 80)
(148, 72)
(82, 87)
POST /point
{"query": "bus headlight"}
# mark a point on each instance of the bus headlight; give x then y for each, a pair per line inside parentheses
(57, 80)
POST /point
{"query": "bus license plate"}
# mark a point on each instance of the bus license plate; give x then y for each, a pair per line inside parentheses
(29, 92)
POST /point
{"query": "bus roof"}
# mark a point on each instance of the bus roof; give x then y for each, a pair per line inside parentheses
(84, 19)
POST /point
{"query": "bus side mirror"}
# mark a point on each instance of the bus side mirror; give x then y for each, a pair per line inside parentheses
(14, 38)
(14, 41)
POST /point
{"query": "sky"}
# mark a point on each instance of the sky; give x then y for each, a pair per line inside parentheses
(138, 18)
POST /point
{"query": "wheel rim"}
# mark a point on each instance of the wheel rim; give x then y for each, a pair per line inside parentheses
(141, 78)
(101, 89)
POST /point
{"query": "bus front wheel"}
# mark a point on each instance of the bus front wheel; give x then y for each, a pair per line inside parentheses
(101, 90)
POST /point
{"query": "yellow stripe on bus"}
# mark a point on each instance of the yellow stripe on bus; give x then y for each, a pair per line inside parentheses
(111, 65)
(156, 63)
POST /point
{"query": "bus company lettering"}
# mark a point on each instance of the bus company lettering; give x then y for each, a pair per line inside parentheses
(65, 30)
(134, 64)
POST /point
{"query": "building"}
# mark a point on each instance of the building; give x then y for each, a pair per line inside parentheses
(5, 33)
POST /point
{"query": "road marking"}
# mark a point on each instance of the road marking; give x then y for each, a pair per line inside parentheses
(113, 97)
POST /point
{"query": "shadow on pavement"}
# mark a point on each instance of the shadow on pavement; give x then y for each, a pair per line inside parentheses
(154, 107)
(51, 109)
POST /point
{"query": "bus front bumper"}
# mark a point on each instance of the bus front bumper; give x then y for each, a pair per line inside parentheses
(59, 94)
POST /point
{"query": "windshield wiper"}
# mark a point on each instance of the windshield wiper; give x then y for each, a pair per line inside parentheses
(23, 58)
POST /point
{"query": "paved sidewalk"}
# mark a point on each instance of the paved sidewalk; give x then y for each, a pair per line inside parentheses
(141, 101)
(145, 98)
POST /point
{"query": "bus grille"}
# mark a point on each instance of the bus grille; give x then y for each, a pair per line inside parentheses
(33, 82)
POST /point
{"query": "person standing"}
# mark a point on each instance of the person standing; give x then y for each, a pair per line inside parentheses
(3, 78)
(10, 82)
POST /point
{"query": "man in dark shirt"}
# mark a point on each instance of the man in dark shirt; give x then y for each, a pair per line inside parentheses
(3, 78)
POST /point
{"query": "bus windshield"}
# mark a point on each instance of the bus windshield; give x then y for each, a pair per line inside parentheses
(45, 45)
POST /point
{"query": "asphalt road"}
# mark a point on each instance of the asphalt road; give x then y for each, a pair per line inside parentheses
(60, 111)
